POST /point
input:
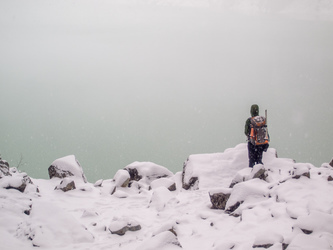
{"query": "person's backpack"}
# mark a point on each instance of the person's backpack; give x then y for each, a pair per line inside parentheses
(259, 132)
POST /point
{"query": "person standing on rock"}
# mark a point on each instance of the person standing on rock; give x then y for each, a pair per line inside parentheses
(257, 134)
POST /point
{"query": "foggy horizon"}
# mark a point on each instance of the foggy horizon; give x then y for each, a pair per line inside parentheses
(114, 83)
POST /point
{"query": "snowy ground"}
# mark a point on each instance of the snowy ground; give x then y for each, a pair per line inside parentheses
(281, 212)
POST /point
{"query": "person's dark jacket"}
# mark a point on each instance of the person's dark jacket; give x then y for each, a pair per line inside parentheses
(254, 112)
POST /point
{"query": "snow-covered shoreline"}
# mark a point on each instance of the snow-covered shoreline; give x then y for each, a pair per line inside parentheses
(291, 209)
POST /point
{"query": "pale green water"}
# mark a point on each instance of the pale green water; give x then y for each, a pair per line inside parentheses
(113, 84)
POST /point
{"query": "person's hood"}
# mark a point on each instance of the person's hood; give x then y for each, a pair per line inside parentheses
(254, 110)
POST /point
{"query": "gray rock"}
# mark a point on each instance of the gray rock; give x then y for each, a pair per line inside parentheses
(261, 174)
(129, 227)
(233, 208)
(54, 171)
(66, 185)
(134, 174)
(173, 187)
(193, 182)
(331, 163)
(219, 200)
(262, 246)
(4, 168)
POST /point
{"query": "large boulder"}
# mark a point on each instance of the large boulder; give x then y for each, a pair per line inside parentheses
(202, 171)
(66, 167)
(208, 171)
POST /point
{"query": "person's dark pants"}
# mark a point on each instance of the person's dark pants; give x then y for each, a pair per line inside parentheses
(255, 153)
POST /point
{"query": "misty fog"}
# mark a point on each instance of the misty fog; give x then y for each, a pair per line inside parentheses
(114, 82)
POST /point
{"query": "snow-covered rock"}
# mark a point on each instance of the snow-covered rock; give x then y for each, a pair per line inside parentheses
(120, 226)
(51, 226)
(315, 222)
(267, 240)
(163, 241)
(301, 170)
(122, 178)
(67, 166)
(160, 198)
(309, 242)
(66, 184)
(249, 190)
(207, 171)
(99, 183)
(164, 182)
(258, 171)
(11, 178)
(18, 182)
(147, 171)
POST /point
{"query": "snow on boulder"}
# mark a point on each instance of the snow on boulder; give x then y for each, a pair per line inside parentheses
(326, 171)
(301, 169)
(18, 181)
(315, 222)
(308, 242)
(252, 189)
(122, 178)
(267, 240)
(120, 226)
(207, 171)
(164, 182)
(163, 241)
(51, 226)
(169, 226)
(119, 193)
(99, 183)
(160, 198)
(258, 171)
(67, 166)
(147, 171)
